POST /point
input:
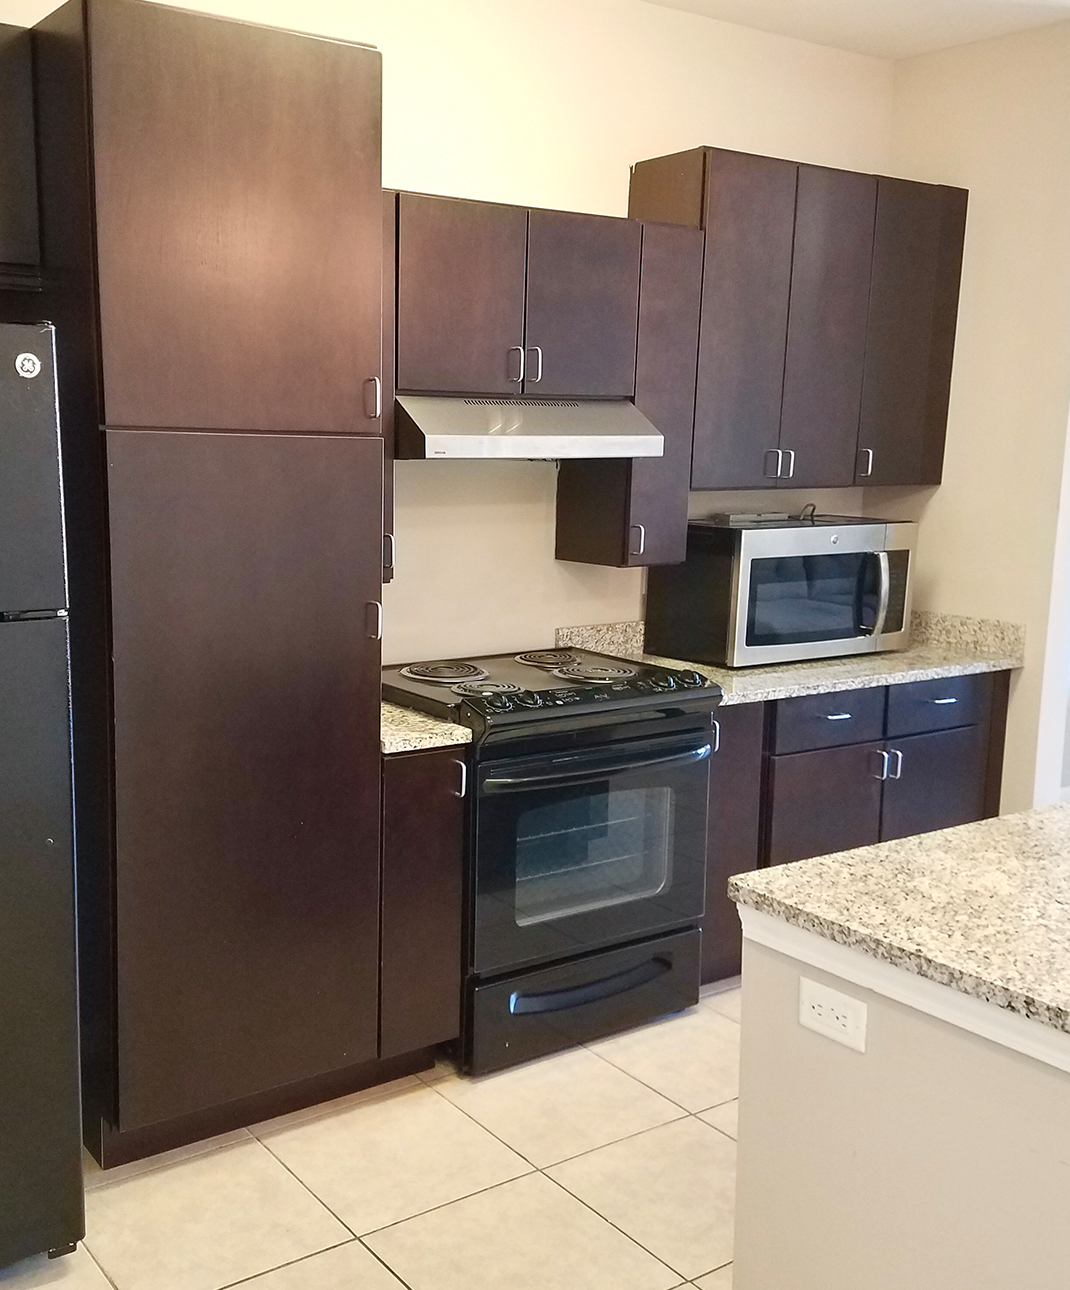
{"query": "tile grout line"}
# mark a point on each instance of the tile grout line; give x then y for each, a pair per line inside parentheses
(241, 1281)
(318, 1199)
(645, 1085)
(657, 1258)
(97, 1264)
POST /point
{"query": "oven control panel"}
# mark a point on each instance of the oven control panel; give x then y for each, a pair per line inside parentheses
(662, 683)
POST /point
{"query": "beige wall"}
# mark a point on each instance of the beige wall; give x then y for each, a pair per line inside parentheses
(936, 1160)
(994, 117)
(548, 102)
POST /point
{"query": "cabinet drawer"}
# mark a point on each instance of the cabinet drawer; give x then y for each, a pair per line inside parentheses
(828, 720)
(938, 705)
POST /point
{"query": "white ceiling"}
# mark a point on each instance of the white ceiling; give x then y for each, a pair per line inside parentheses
(884, 28)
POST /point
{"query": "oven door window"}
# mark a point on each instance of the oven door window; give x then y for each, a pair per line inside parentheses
(575, 851)
(590, 847)
(797, 599)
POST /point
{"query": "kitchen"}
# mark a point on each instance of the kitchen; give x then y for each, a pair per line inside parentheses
(471, 535)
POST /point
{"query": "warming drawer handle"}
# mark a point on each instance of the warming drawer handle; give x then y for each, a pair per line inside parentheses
(503, 783)
(619, 983)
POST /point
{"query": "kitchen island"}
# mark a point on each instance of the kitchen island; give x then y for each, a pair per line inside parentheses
(930, 1146)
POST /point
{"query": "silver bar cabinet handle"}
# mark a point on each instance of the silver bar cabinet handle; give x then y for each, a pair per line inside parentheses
(463, 790)
(838, 716)
(898, 772)
(377, 633)
(885, 763)
(868, 452)
(941, 702)
(388, 561)
(790, 454)
(518, 349)
(377, 397)
(642, 539)
(716, 736)
(537, 351)
(775, 474)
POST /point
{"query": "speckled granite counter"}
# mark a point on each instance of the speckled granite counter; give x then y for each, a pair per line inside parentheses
(403, 730)
(943, 646)
(983, 908)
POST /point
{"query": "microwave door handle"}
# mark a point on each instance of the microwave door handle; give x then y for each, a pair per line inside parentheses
(504, 783)
(885, 594)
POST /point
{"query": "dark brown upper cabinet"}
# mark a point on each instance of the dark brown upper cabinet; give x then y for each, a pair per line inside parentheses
(501, 300)
(633, 512)
(826, 344)
(913, 306)
(237, 185)
(460, 295)
(582, 305)
(828, 318)
(748, 215)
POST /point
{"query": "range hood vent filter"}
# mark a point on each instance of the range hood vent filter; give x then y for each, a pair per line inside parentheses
(453, 426)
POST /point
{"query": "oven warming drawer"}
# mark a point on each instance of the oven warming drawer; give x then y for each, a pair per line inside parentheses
(532, 1013)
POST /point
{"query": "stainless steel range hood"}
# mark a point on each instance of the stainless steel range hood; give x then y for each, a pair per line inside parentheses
(453, 426)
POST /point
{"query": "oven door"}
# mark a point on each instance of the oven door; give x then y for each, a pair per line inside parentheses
(820, 592)
(575, 850)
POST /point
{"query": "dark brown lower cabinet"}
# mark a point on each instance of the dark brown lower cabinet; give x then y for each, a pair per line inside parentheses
(936, 781)
(823, 801)
(423, 841)
(735, 809)
(244, 572)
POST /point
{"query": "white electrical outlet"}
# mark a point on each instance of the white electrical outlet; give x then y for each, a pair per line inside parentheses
(832, 1014)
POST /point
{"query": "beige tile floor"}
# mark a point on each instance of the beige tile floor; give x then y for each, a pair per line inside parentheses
(607, 1167)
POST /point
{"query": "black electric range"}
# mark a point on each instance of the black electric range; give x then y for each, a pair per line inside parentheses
(504, 693)
(586, 835)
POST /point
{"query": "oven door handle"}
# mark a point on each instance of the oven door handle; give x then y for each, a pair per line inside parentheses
(507, 784)
(619, 983)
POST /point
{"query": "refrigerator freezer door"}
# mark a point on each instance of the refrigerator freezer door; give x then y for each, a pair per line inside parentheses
(40, 1130)
(32, 568)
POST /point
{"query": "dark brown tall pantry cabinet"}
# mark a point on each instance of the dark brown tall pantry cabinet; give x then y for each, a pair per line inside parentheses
(211, 240)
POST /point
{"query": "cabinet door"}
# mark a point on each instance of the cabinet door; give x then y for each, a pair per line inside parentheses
(917, 263)
(238, 223)
(823, 801)
(244, 571)
(582, 305)
(827, 326)
(749, 221)
(390, 313)
(620, 512)
(937, 781)
(423, 857)
(735, 813)
(460, 302)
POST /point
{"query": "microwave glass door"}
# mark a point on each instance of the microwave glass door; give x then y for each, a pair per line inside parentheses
(803, 598)
(576, 850)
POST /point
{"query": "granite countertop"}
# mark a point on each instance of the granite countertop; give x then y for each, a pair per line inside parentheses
(404, 730)
(942, 646)
(983, 908)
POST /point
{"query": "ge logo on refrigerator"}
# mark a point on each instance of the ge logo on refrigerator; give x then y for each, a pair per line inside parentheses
(28, 365)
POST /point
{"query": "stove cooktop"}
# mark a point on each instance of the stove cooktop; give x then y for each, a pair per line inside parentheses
(540, 684)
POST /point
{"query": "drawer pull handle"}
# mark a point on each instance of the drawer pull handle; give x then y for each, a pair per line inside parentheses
(620, 983)
(941, 702)
(838, 716)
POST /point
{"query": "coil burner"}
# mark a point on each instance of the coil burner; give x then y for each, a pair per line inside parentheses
(484, 688)
(548, 659)
(595, 673)
(444, 673)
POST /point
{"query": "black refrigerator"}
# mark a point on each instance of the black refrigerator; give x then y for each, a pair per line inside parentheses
(41, 1204)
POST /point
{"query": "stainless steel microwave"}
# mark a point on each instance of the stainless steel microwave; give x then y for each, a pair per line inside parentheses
(774, 589)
